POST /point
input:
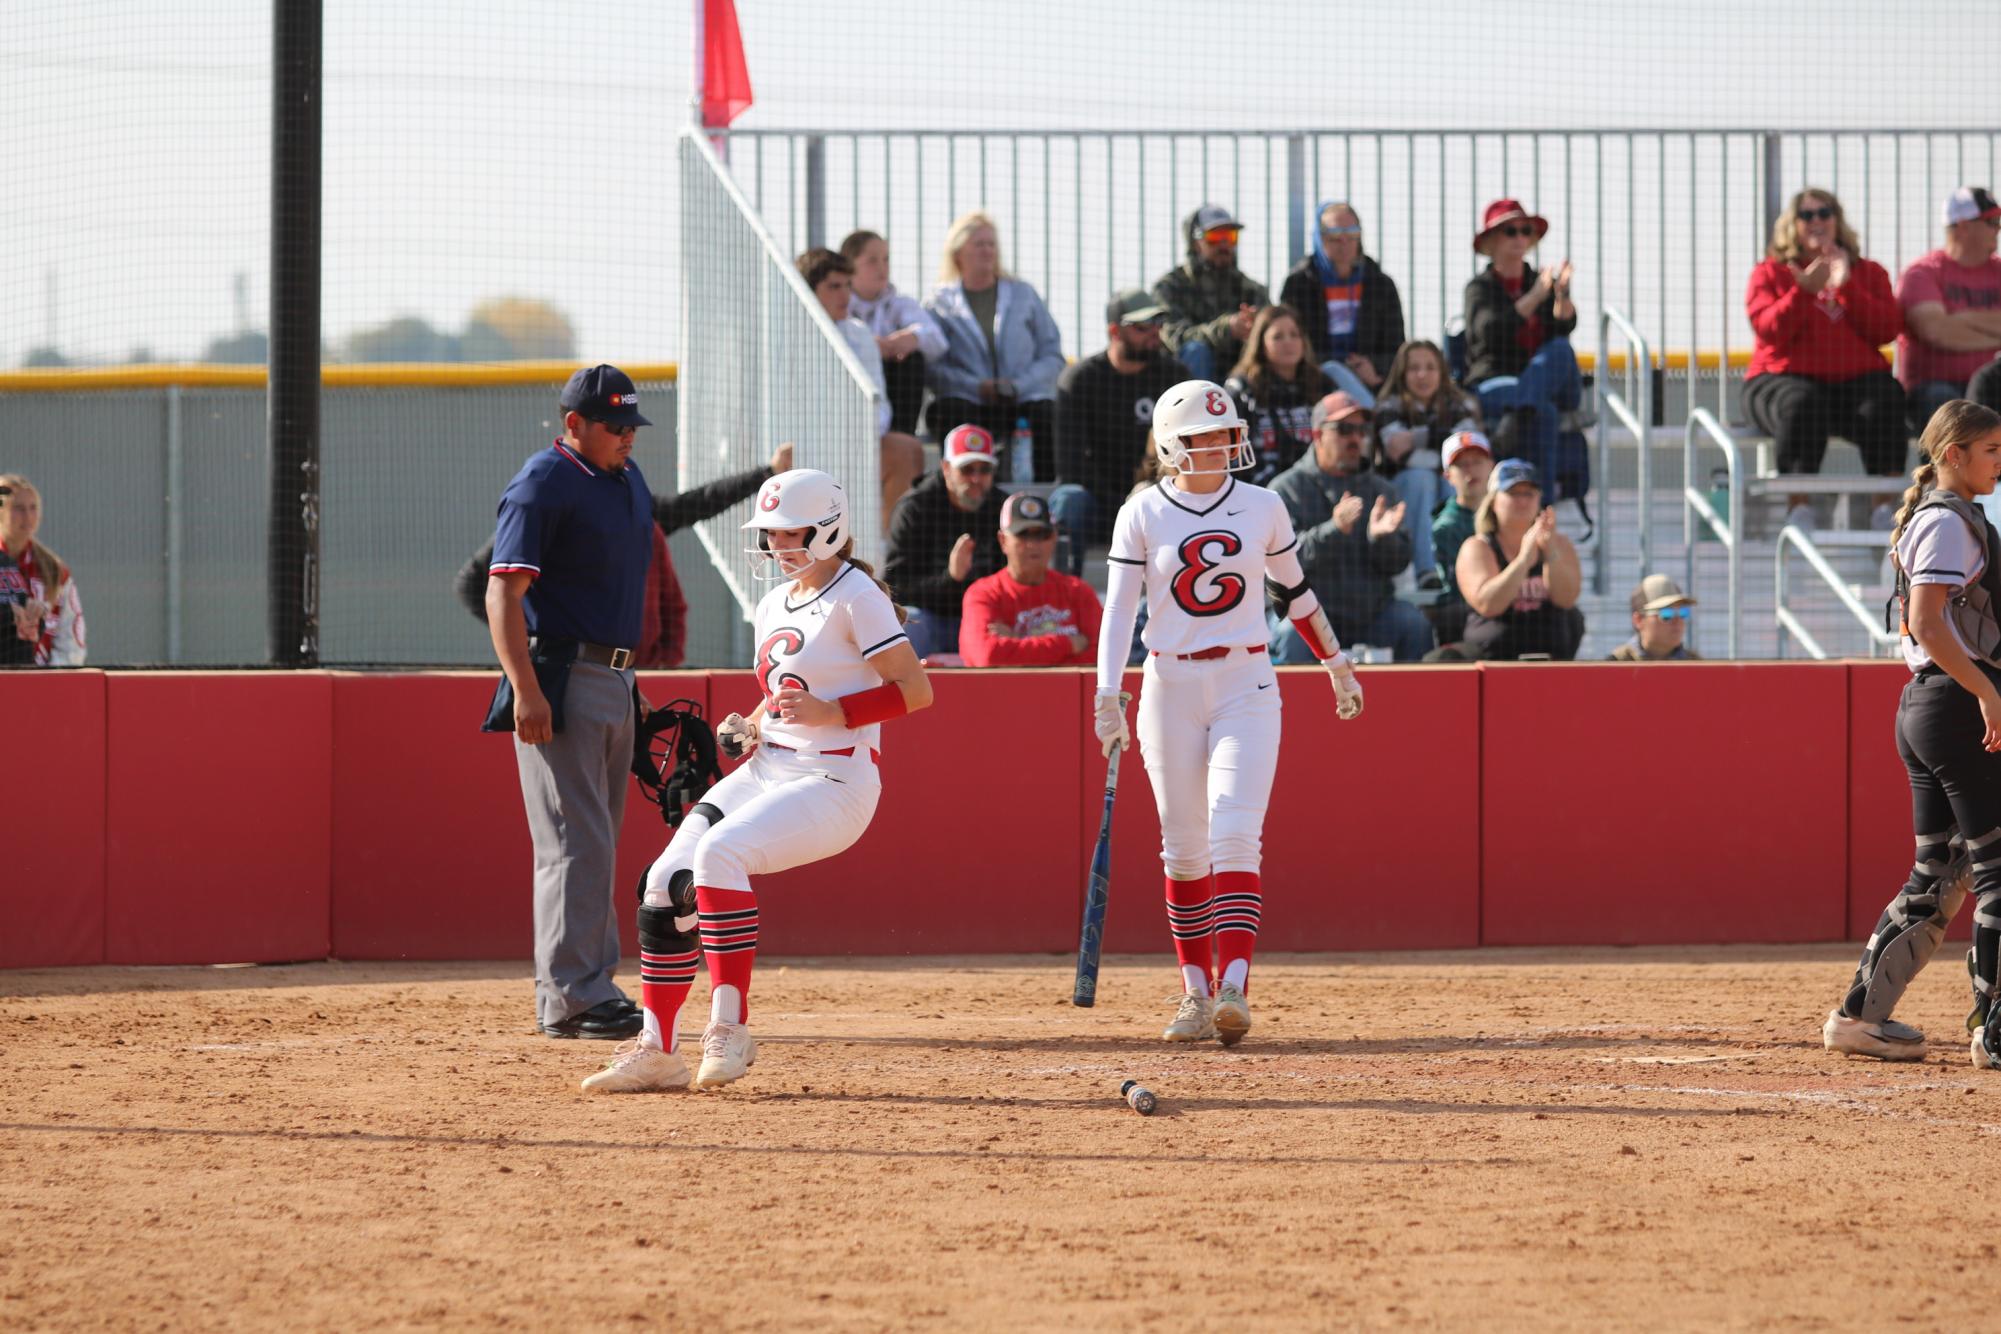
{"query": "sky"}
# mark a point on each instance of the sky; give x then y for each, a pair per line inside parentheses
(482, 148)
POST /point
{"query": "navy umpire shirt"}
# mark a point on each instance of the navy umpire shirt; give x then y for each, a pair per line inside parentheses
(586, 537)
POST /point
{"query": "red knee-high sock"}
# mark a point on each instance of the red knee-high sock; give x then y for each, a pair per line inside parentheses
(1190, 908)
(664, 980)
(729, 939)
(1239, 907)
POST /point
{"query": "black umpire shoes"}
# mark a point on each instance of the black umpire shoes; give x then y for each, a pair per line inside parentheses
(612, 1019)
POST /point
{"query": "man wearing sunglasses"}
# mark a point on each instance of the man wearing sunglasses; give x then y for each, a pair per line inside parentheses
(1348, 306)
(1660, 623)
(1952, 309)
(1210, 302)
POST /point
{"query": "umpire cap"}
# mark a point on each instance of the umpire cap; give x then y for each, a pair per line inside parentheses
(603, 394)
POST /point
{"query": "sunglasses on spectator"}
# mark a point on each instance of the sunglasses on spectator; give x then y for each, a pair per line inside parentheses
(1350, 428)
(1341, 231)
(1674, 613)
(1222, 235)
(977, 469)
(1523, 230)
(1816, 214)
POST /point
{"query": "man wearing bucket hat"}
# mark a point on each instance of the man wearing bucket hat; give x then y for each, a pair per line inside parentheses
(1518, 326)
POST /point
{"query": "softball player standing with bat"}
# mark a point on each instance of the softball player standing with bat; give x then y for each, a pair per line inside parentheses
(1201, 547)
(833, 664)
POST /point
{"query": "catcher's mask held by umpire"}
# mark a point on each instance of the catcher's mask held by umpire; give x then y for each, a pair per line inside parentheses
(674, 758)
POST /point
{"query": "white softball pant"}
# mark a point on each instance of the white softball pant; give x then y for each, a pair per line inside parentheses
(780, 810)
(1209, 732)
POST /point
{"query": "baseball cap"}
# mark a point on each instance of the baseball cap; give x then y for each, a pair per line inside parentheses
(1131, 305)
(1336, 407)
(1463, 440)
(1214, 215)
(1025, 512)
(968, 443)
(603, 394)
(1511, 473)
(1657, 591)
(1969, 202)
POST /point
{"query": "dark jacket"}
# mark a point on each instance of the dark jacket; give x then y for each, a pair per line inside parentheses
(1378, 324)
(1280, 420)
(922, 531)
(1493, 326)
(670, 513)
(1348, 572)
(1103, 422)
(1202, 299)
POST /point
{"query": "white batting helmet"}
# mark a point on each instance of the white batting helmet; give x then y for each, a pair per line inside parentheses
(803, 498)
(1190, 408)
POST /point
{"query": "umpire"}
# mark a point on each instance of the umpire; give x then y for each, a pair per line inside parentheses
(563, 601)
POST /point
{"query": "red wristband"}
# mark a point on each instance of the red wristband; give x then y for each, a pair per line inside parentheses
(874, 706)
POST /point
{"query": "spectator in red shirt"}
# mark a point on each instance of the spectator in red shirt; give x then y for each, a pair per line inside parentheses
(1952, 308)
(1821, 314)
(1028, 615)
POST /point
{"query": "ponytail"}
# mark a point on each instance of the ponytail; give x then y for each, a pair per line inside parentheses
(1923, 482)
(847, 553)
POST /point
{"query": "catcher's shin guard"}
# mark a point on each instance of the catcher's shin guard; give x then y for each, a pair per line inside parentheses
(1910, 929)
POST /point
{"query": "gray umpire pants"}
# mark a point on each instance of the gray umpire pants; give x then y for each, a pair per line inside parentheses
(574, 788)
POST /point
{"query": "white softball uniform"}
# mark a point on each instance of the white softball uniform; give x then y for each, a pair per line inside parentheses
(806, 793)
(1208, 726)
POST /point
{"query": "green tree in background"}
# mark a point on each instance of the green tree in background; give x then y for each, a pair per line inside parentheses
(515, 328)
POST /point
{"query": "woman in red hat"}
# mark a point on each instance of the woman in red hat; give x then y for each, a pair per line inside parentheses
(1518, 323)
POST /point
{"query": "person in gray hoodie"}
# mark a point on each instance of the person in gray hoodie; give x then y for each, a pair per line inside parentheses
(1210, 302)
(1351, 540)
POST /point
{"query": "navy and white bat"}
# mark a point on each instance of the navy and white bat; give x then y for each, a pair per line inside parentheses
(1097, 893)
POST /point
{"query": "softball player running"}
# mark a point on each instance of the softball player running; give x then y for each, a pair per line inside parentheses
(1202, 548)
(833, 664)
(1949, 734)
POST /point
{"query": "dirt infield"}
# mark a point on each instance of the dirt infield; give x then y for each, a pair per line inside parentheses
(1499, 1139)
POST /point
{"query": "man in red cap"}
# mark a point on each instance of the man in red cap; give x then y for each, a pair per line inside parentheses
(942, 537)
(1518, 326)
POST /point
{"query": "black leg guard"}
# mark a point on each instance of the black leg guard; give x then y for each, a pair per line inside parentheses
(1909, 932)
(661, 930)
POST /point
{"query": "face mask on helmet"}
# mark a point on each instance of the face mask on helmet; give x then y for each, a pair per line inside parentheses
(1237, 455)
(804, 500)
(1194, 408)
(769, 564)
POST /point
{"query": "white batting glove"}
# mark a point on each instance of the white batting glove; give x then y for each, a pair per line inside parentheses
(1347, 690)
(1109, 723)
(736, 736)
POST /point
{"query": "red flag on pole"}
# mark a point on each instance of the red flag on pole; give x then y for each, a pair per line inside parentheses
(725, 76)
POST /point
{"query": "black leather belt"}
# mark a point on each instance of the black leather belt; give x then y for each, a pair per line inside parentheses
(618, 659)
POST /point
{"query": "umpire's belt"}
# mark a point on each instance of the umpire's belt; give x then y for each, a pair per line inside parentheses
(604, 655)
(1211, 654)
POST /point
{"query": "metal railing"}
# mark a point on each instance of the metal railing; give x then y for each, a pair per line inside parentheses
(1640, 363)
(761, 363)
(1879, 638)
(1728, 530)
(1666, 224)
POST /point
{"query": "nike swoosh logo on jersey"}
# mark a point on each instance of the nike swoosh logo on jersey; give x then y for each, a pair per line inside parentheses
(1233, 513)
(1265, 686)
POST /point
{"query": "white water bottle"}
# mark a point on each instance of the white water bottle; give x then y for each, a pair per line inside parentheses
(1021, 452)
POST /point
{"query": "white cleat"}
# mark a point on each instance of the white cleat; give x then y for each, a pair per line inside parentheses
(728, 1052)
(1192, 1021)
(1886, 1040)
(1232, 1015)
(637, 1068)
(1983, 1059)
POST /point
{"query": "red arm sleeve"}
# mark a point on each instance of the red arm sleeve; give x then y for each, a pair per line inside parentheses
(673, 605)
(1775, 303)
(1871, 304)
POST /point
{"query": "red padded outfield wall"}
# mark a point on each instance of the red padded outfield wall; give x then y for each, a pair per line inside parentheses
(224, 817)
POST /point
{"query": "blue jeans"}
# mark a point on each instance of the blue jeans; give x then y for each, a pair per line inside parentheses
(1074, 511)
(1418, 489)
(932, 634)
(1922, 400)
(1200, 359)
(1349, 383)
(1549, 386)
(1399, 627)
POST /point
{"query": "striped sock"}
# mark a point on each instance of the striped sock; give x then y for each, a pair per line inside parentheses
(1189, 910)
(729, 939)
(664, 980)
(1239, 907)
